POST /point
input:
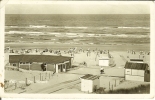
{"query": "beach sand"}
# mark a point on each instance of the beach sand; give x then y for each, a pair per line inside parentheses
(60, 83)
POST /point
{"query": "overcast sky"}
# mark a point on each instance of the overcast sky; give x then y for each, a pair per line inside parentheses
(77, 8)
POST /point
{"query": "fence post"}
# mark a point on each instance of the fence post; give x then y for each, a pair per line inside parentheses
(40, 76)
(26, 82)
(15, 85)
(49, 75)
(46, 75)
(109, 85)
(34, 79)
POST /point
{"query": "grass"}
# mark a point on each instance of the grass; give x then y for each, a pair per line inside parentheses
(141, 89)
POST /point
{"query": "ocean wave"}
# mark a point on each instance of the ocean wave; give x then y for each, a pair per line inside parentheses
(124, 35)
(37, 26)
(46, 26)
(23, 32)
(78, 27)
(71, 34)
(53, 33)
(77, 34)
(11, 26)
(136, 27)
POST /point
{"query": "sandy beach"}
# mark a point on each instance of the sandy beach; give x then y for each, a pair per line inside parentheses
(54, 84)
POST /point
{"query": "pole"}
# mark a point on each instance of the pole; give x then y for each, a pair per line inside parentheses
(49, 75)
(115, 83)
(34, 79)
(112, 87)
(15, 85)
(40, 76)
(26, 82)
(109, 85)
(29, 66)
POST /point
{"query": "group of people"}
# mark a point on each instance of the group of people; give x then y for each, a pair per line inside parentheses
(140, 52)
(70, 51)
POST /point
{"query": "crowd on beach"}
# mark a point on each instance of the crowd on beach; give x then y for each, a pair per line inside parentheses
(70, 51)
(140, 52)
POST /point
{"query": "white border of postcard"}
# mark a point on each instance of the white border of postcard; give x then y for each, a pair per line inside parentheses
(92, 96)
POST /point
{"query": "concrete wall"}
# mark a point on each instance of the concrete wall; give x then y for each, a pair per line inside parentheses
(96, 82)
(36, 66)
(50, 67)
(26, 67)
(134, 78)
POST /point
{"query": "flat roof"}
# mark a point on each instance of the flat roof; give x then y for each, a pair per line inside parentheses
(90, 77)
(136, 60)
(138, 66)
(38, 58)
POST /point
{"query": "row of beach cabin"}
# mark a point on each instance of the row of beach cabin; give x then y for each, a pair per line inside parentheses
(135, 69)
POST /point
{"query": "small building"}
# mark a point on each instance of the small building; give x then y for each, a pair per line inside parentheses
(104, 61)
(41, 62)
(89, 83)
(136, 71)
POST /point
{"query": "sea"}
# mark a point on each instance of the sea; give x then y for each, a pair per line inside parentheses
(79, 29)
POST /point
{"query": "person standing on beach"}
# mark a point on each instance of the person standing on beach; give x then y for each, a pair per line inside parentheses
(87, 52)
(97, 54)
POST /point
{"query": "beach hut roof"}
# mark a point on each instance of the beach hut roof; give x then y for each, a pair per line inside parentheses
(136, 60)
(138, 66)
(90, 77)
(38, 58)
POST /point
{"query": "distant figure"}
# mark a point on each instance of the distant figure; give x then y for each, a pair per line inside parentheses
(84, 63)
(108, 51)
(102, 70)
(87, 54)
(43, 66)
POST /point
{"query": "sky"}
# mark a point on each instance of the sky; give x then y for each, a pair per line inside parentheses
(77, 8)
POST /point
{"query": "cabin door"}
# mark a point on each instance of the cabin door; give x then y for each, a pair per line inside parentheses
(64, 67)
(60, 69)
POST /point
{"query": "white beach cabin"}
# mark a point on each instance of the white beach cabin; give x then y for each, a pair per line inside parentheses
(104, 61)
(136, 71)
(89, 83)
